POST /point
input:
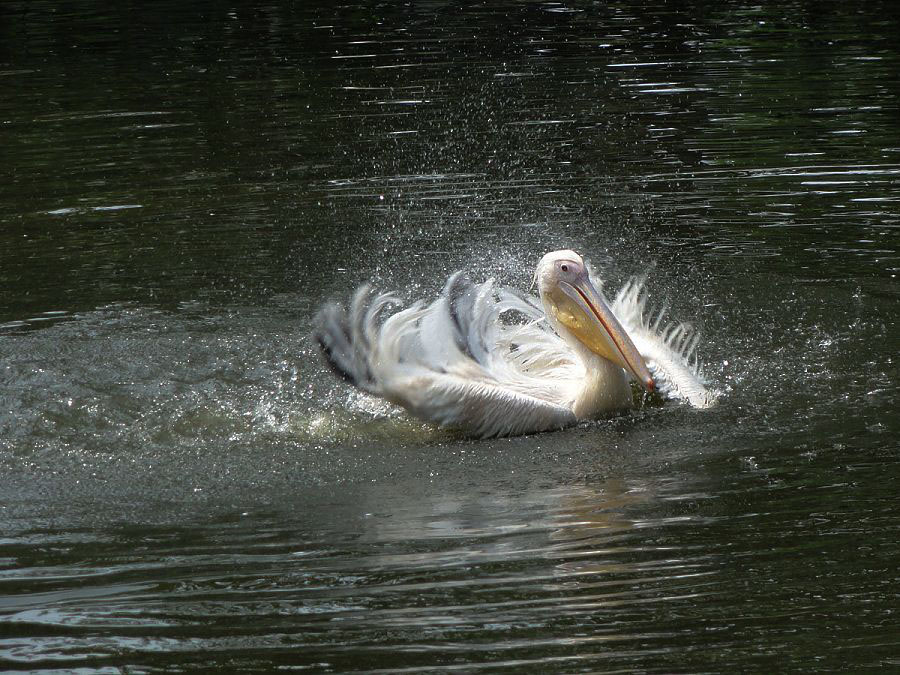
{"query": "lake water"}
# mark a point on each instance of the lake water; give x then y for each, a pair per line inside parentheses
(183, 483)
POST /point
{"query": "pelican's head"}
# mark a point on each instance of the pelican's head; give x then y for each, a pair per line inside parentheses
(571, 299)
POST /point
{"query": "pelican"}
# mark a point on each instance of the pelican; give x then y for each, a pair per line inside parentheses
(460, 362)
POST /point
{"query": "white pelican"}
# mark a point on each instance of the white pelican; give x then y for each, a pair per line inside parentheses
(458, 363)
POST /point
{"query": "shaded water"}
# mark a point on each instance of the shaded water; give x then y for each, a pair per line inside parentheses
(183, 483)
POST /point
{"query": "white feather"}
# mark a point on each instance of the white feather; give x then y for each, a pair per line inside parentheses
(462, 361)
(669, 349)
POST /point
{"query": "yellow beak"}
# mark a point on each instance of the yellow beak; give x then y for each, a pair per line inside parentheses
(580, 308)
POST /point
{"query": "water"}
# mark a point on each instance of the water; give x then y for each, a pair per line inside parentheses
(183, 485)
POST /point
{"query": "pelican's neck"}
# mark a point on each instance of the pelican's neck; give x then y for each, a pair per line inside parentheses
(604, 387)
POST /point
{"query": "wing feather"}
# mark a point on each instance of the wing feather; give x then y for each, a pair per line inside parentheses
(452, 362)
(669, 349)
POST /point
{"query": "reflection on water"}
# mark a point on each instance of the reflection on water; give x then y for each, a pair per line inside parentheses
(575, 554)
(614, 573)
(183, 485)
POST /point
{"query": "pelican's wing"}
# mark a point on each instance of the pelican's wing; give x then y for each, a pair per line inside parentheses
(453, 362)
(669, 349)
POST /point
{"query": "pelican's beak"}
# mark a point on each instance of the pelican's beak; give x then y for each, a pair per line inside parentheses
(581, 309)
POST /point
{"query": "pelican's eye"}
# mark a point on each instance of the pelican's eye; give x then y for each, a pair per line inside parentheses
(564, 267)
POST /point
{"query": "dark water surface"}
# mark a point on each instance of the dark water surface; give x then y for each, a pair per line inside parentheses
(183, 485)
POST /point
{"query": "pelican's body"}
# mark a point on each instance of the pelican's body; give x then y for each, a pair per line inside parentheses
(456, 363)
